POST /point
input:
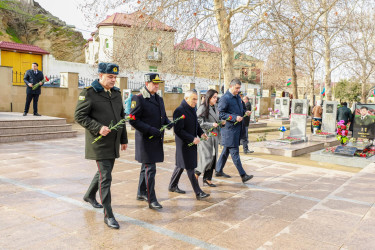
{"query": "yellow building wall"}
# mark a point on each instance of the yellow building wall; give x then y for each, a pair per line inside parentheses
(21, 62)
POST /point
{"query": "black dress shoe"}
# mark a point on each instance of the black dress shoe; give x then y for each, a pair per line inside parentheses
(222, 174)
(202, 195)
(155, 205)
(36, 114)
(248, 151)
(142, 198)
(25, 114)
(208, 183)
(111, 222)
(246, 177)
(177, 190)
(93, 202)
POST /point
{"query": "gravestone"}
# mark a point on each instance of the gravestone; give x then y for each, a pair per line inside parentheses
(252, 101)
(329, 117)
(298, 118)
(284, 109)
(345, 150)
(277, 104)
(257, 112)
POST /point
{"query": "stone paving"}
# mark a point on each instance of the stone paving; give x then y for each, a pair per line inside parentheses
(285, 206)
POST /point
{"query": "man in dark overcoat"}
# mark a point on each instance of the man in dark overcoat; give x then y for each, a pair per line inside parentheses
(149, 111)
(231, 109)
(32, 77)
(245, 125)
(98, 106)
(187, 131)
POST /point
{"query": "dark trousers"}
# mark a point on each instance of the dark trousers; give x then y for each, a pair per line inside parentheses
(245, 139)
(146, 184)
(29, 98)
(234, 152)
(176, 178)
(102, 182)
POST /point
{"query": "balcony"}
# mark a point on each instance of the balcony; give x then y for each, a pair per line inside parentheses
(154, 56)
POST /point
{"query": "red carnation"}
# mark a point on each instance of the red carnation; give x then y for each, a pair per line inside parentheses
(343, 127)
(47, 80)
(230, 117)
(183, 116)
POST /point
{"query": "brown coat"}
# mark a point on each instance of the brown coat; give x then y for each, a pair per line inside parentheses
(317, 111)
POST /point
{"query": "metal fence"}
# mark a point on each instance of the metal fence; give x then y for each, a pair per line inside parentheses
(17, 77)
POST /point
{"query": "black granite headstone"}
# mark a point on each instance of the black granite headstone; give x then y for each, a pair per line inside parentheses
(345, 150)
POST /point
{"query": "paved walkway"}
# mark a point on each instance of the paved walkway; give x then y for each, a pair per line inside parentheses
(285, 206)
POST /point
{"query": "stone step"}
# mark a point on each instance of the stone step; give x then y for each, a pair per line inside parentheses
(37, 136)
(31, 122)
(35, 129)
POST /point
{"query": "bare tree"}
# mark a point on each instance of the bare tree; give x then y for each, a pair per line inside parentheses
(289, 23)
(198, 18)
(360, 38)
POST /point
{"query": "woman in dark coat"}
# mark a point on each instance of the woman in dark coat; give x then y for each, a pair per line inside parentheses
(208, 117)
(187, 131)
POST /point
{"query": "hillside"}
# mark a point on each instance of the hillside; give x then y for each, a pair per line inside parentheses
(24, 23)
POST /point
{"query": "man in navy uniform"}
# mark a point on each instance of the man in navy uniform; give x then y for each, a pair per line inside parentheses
(98, 106)
(32, 77)
(149, 111)
(232, 110)
(187, 131)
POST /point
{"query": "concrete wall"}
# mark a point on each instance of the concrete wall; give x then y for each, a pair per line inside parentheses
(51, 66)
(6, 88)
(59, 102)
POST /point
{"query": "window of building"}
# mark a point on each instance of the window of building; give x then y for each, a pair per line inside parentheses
(106, 43)
(153, 69)
(153, 48)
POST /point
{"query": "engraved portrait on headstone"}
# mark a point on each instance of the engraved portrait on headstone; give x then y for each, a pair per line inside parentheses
(278, 101)
(329, 108)
(364, 121)
(285, 102)
(298, 108)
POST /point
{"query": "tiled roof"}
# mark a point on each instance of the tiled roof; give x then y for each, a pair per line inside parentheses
(134, 19)
(22, 47)
(199, 45)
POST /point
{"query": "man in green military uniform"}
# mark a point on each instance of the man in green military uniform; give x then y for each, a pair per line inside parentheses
(98, 106)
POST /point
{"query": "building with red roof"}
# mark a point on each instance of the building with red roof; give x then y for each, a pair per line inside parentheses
(20, 57)
(137, 41)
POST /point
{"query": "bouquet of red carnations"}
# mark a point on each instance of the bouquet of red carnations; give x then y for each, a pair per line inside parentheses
(38, 84)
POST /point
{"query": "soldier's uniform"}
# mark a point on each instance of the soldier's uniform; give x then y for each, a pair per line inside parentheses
(150, 114)
(96, 108)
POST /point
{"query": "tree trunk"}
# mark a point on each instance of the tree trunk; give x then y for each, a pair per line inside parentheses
(312, 91)
(294, 73)
(226, 44)
(327, 55)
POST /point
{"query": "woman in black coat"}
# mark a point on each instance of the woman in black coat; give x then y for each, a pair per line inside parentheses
(187, 131)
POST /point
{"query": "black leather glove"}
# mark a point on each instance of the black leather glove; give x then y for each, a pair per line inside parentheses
(154, 131)
(170, 126)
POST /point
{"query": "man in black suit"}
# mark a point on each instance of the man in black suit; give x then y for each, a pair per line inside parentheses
(187, 131)
(32, 77)
(245, 125)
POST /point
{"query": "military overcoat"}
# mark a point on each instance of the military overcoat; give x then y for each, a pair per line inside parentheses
(149, 112)
(95, 109)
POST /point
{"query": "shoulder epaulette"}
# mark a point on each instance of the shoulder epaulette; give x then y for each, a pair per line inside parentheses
(88, 87)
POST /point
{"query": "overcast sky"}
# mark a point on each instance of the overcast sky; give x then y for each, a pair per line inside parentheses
(69, 12)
